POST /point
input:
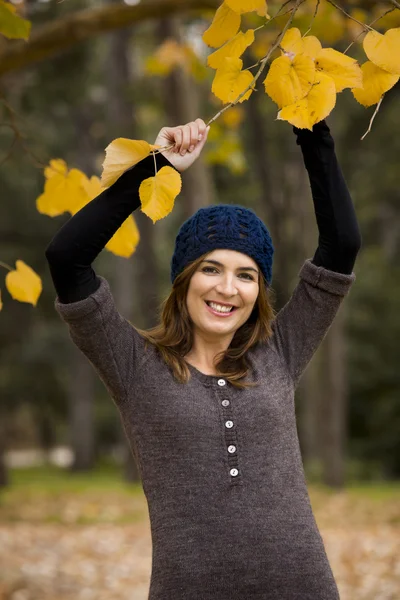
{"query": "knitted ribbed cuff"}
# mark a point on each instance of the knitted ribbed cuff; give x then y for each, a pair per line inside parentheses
(83, 308)
(330, 281)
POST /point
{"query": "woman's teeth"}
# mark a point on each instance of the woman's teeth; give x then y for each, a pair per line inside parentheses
(220, 308)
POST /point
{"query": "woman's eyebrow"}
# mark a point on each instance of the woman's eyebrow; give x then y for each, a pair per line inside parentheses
(215, 262)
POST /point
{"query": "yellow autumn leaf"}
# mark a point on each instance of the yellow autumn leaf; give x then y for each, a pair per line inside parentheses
(125, 239)
(24, 284)
(62, 193)
(289, 80)
(232, 49)
(292, 42)
(225, 25)
(376, 82)
(344, 70)
(230, 81)
(384, 50)
(57, 166)
(12, 26)
(311, 46)
(157, 194)
(315, 106)
(122, 154)
(245, 6)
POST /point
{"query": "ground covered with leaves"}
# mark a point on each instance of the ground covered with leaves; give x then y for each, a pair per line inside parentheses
(87, 537)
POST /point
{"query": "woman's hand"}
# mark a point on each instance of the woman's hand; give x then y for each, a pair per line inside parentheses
(188, 142)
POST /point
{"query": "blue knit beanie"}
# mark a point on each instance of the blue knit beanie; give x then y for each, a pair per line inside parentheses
(226, 226)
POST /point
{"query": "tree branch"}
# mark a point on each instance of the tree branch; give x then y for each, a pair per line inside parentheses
(48, 40)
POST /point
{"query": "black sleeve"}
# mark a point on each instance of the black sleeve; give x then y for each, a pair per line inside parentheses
(339, 235)
(79, 241)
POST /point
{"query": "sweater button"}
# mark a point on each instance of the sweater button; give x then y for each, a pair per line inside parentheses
(234, 472)
(225, 402)
(229, 424)
(221, 382)
(231, 449)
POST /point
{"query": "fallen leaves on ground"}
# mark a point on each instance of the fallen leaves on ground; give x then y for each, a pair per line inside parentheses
(100, 546)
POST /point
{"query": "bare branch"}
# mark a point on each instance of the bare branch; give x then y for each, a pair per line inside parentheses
(61, 34)
(373, 117)
(372, 23)
(363, 25)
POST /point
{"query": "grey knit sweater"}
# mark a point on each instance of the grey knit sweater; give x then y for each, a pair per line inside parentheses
(221, 467)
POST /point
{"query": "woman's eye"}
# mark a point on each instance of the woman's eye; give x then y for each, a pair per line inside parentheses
(213, 269)
(249, 276)
(205, 269)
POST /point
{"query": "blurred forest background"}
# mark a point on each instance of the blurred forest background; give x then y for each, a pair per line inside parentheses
(130, 79)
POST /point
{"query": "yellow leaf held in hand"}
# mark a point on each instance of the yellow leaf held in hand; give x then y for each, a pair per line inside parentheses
(245, 6)
(12, 26)
(289, 80)
(376, 82)
(225, 25)
(24, 284)
(233, 49)
(384, 50)
(230, 81)
(122, 154)
(344, 70)
(314, 107)
(157, 194)
(125, 239)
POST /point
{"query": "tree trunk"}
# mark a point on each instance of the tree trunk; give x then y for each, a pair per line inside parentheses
(81, 417)
(82, 382)
(182, 105)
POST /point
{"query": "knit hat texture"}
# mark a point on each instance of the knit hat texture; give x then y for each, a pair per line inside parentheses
(227, 226)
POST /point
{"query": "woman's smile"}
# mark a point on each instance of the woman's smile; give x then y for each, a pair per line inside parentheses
(220, 310)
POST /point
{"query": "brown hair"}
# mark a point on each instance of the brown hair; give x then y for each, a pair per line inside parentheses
(173, 336)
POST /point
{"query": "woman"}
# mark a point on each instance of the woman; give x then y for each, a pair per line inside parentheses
(207, 397)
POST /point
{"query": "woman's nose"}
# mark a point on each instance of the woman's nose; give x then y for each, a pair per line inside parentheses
(227, 286)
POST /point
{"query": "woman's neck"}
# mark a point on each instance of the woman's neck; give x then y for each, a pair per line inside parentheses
(202, 355)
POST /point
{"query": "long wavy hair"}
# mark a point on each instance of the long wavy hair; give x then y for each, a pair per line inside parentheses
(173, 336)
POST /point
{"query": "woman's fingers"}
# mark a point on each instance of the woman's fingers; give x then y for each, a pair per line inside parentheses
(194, 135)
(188, 136)
(185, 139)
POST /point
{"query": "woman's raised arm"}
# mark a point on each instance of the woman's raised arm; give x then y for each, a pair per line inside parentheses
(78, 242)
(339, 234)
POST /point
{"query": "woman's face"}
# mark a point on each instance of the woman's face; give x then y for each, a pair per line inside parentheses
(224, 279)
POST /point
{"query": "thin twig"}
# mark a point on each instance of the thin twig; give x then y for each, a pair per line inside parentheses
(313, 19)
(372, 23)
(18, 135)
(363, 25)
(373, 117)
(6, 266)
(262, 63)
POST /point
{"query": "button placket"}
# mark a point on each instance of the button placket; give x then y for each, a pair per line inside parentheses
(229, 423)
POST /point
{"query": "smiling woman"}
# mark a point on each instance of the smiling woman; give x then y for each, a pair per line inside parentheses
(190, 332)
(207, 396)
